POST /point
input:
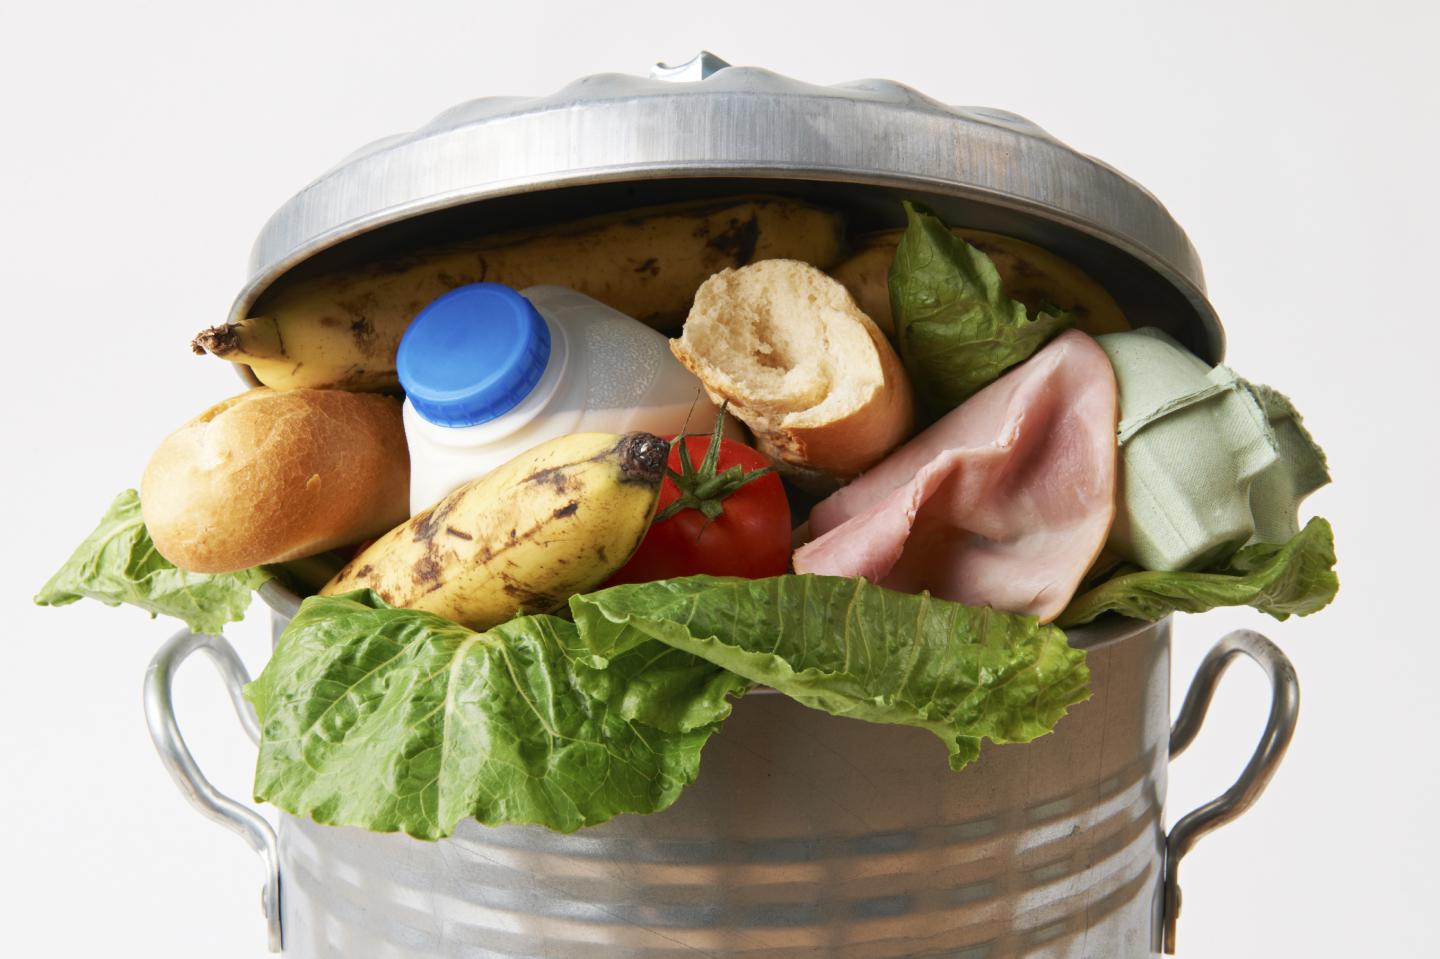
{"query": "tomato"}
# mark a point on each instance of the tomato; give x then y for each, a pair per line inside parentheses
(748, 533)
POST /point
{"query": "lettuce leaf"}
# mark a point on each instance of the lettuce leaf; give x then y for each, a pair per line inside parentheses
(853, 649)
(398, 720)
(955, 328)
(1295, 578)
(118, 563)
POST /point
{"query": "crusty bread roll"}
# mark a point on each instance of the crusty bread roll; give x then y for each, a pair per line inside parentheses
(266, 477)
(809, 373)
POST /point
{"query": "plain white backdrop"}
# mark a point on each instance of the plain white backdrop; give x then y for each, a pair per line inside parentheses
(145, 144)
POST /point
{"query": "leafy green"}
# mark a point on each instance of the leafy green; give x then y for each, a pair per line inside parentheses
(1295, 578)
(118, 563)
(399, 720)
(853, 649)
(956, 329)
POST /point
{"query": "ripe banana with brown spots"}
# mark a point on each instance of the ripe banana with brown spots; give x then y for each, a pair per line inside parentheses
(341, 330)
(1028, 273)
(557, 520)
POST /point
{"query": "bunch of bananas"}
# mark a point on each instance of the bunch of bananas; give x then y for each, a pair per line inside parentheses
(561, 518)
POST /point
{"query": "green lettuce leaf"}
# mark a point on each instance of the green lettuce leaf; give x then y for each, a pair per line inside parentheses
(118, 563)
(398, 720)
(956, 329)
(853, 649)
(1295, 578)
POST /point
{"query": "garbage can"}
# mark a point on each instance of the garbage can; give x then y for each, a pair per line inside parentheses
(805, 834)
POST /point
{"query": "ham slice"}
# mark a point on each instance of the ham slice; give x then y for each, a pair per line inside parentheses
(1004, 502)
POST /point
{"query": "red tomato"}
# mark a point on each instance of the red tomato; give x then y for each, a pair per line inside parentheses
(750, 537)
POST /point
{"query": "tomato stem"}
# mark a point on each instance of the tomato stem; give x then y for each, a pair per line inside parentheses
(701, 488)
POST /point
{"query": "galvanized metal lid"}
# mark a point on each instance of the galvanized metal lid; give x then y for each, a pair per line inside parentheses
(612, 141)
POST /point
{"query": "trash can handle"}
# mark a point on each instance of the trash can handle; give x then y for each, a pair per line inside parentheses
(1279, 728)
(213, 804)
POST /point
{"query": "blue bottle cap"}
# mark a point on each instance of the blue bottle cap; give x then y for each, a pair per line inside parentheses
(472, 354)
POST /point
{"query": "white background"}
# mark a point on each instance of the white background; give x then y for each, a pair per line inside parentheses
(144, 146)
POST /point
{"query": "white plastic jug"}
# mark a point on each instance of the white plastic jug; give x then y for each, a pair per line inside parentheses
(489, 373)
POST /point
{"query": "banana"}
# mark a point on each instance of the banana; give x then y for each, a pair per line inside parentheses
(340, 331)
(1027, 273)
(555, 521)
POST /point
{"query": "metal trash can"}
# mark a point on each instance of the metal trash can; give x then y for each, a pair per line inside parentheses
(806, 834)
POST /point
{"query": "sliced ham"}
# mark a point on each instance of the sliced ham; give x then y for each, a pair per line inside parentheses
(1004, 502)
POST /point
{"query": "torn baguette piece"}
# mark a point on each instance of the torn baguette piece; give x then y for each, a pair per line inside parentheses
(801, 365)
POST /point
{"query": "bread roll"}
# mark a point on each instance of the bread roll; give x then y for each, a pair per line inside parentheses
(266, 477)
(809, 373)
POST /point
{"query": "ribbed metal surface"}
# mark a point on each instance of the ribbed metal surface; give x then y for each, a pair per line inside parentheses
(613, 141)
(806, 835)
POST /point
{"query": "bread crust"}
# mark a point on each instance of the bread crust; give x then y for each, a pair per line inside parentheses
(817, 455)
(268, 476)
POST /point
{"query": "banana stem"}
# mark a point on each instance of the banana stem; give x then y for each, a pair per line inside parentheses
(255, 337)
